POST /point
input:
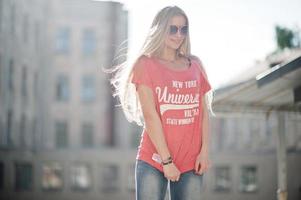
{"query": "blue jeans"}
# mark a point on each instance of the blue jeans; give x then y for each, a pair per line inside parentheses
(151, 184)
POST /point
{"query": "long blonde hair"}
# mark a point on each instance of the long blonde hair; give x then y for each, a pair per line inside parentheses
(153, 45)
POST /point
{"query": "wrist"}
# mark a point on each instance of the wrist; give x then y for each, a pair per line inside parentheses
(167, 161)
(165, 156)
(204, 148)
(203, 152)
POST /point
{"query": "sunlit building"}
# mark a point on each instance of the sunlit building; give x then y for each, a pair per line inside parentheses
(61, 135)
(251, 112)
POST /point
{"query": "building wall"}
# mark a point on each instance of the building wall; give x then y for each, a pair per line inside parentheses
(121, 183)
(21, 55)
(246, 139)
(74, 64)
(39, 169)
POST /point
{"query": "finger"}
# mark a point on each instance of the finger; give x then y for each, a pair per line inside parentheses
(196, 166)
(202, 168)
(173, 178)
(201, 171)
(199, 167)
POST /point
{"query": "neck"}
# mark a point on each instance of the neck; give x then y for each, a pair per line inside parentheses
(169, 54)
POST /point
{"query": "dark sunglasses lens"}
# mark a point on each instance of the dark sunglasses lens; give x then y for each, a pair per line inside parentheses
(184, 30)
(173, 30)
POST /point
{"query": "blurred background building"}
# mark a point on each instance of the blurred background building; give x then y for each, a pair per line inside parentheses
(254, 112)
(58, 130)
(62, 137)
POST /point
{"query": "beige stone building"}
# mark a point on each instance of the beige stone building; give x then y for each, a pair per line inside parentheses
(256, 130)
(61, 136)
(58, 122)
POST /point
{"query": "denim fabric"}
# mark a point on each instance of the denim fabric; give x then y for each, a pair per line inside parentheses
(151, 184)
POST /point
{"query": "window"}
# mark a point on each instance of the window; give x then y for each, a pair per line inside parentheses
(2, 134)
(291, 134)
(52, 176)
(62, 88)
(255, 133)
(11, 76)
(1, 66)
(23, 176)
(135, 137)
(34, 139)
(222, 178)
(88, 92)
(61, 134)
(23, 131)
(269, 133)
(131, 177)
(221, 134)
(62, 42)
(1, 175)
(37, 35)
(251, 126)
(88, 42)
(9, 126)
(25, 28)
(12, 20)
(81, 177)
(240, 131)
(36, 85)
(262, 134)
(24, 83)
(1, 15)
(298, 134)
(109, 178)
(248, 179)
(87, 135)
(230, 137)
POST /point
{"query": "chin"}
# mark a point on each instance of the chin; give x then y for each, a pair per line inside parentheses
(174, 46)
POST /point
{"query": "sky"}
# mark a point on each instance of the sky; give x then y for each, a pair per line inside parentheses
(227, 35)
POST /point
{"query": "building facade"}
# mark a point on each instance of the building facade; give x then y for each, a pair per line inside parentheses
(61, 135)
(58, 121)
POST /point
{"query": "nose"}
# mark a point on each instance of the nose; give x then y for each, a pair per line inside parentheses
(179, 35)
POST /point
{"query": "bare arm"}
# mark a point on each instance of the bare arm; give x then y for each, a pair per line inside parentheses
(202, 163)
(205, 127)
(152, 121)
(154, 129)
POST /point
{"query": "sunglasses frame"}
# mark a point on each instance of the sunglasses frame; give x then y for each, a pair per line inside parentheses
(178, 28)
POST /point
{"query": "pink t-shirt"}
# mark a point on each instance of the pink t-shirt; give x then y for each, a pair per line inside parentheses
(177, 95)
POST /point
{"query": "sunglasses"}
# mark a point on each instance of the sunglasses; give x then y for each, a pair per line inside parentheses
(173, 29)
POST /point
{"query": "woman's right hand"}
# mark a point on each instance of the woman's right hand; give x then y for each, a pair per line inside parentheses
(171, 172)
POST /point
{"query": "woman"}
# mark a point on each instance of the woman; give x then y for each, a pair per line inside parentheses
(165, 91)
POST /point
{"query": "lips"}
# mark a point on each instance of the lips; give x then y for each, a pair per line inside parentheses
(176, 41)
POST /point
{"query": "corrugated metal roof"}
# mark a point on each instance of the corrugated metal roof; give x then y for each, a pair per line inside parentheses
(273, 89)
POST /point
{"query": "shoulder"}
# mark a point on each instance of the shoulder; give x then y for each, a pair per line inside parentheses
(142, 65)
(142, 61)
(198, 61)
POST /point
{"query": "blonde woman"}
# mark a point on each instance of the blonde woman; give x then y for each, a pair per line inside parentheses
(167, 91)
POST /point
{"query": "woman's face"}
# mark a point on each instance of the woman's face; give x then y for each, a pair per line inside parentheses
(177, 32)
